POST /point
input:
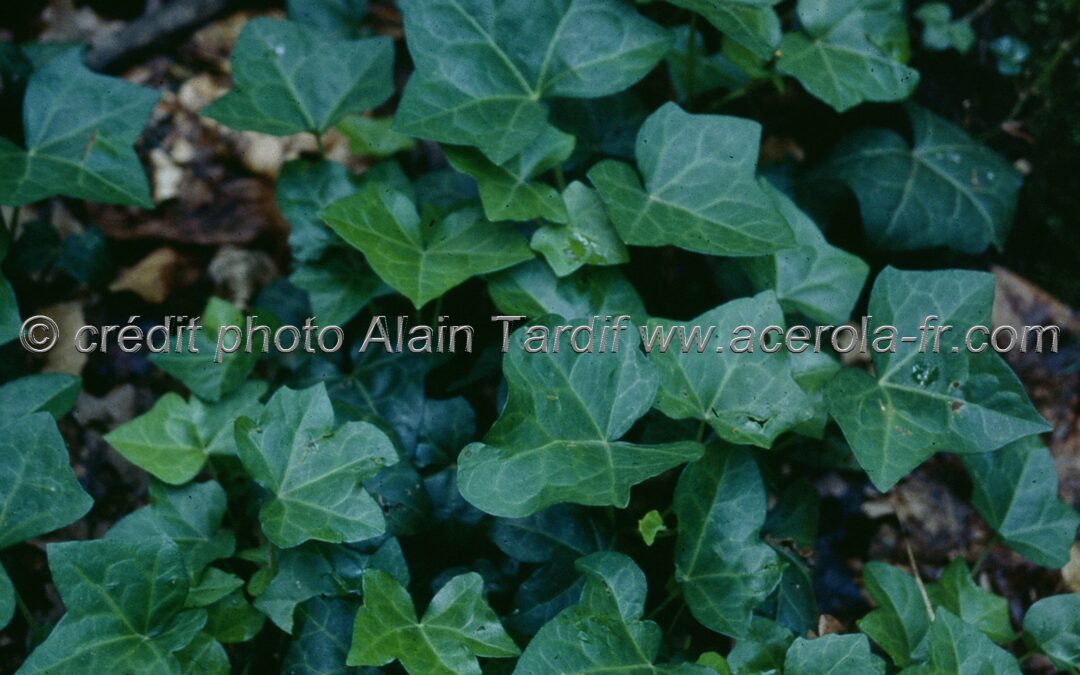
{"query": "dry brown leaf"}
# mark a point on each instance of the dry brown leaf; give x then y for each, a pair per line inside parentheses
(64, 358)
(152, 278)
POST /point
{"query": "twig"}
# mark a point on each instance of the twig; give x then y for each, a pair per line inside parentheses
(1044, 76)
(919, 581)
(171, 18)
(984, 554)
(983, 8)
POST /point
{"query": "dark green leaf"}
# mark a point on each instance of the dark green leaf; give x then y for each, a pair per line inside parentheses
(54, 393)
(1053, 626)
(751, 23)
(834, 653)
(956, 592)
(901, 621)
(533, 290)
(587, 238)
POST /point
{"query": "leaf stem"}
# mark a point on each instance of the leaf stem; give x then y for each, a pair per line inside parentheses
(985, 553)
(919, 582)
(691, 61)
(24, 609)
(671, 597)
(560, 179)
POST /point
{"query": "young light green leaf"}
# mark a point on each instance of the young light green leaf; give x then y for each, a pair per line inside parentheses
(926, 398)
(510, 191)
(958, 648)
(900, 622)
(556, 439)
(173, 440)
(422, 260)
(724, 568)
(691, 77)
(315, 569)
(587, 238)
(534, 290)
(340, 18)
(338, 286)
(291, 78)
(190, 516)
(956, 592)
(946, 190)
(79, 129)
(373, 137)
(457, 627)
(700, 191)
(125, 608)
(199, 369)
(483, 68)
(814, 279)
(752, 23)
(54, 393)
(313, 469)
(650, 525)
(604, 631)
(853, 51)
(749, 397)
(38, 490)
(1053, 626)
(833, 653)
(1015, 490)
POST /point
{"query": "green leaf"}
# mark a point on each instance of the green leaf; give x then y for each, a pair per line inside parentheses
(422, 260)
(761, 651)
(509, 191)
(373, 137)
(534, 290)
(556, 439)
(313, 469)
(752, 23)
(940, 32)
(203, 656)
(853, 51)
(339, 18)
(900, 622)
(709, 71)
(587, 238)
(323, 643)
(832, 653)
(749, 398)
(303, 189)
(173, 440)
(10, 321)
(79, 128)
(315, 569)
(54, 393)
(213, 586)
(814, 279)
(945, 190)
(561, 530)
(795, 515)
(650, 525)
(958, 648)
(956, 592)
(190, 516)
(7, 598)
(125, 608)
(338, 286)
(1015, 489)
(724, 568)
(1053, 626)
(232, 619)
(38, 490)
(199, 369)
(291, 78)
(457, 627)
(700, 191)
(923, 401)
(484, 68)
(604, 631)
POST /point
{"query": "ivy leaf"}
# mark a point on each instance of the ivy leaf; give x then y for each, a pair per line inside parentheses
(291, 78)
(852, 51)
(54, 393)
(7, 598)
(534, 290)
(556, 439)
(1015, 490)
(1053, 626)
(763, 650)
(958, 648)
(198, 369)
(323, 643)
(213, 585)
(10, 321)
(338, 286)
(604, 631)
(422, 260)
(173, 440)
(302, 190)
(956, 592)
(315, 569)
(312, 469)
(924, 401)
(946, 190)
(832, 653)
(190, 516)
(374, 137)
(457, 627)
(940, 32)
(79, 128)
(700, 191)
(900, 622)
(125, 608)
(752, 23)
(509, 191)
(483, 69)
(724, 568)
(38, 490)
(232, 619)
(563, 529)
(814, 279)
(587, 238)
(748, 398)
(709, 71)
(339, 18)
(204, 656)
